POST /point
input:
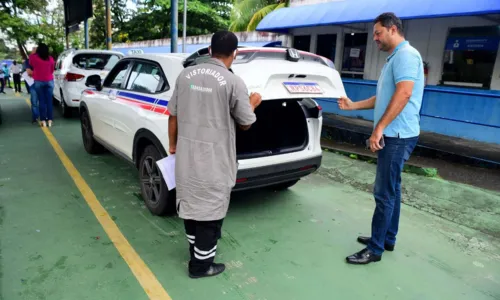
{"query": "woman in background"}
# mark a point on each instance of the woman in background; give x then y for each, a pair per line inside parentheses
(43, 74)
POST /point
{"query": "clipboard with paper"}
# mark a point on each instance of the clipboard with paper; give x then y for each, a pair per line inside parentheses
(167, 169)
(29, 80)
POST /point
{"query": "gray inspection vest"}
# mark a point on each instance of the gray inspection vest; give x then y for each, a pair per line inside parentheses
(208, 100)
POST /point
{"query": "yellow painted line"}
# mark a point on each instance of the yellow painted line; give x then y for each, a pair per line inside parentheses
(146, 278)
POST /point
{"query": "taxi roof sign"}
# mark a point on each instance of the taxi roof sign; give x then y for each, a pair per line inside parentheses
(135, 51)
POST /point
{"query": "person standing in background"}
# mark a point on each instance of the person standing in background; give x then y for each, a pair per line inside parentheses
(6, 74)
(2, 82)
(29, 69)
(35, 111)
(43, 74)
(15, 69)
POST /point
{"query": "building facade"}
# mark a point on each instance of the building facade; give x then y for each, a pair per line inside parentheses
(458, 44)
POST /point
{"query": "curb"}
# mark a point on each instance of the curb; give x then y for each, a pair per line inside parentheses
(408, 167)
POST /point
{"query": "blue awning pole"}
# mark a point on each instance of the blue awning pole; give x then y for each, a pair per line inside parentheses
(184, 22)
(173, 26)
(86, 29)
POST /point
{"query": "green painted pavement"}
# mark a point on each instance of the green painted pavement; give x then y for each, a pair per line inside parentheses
(51, 245)
(287, 245)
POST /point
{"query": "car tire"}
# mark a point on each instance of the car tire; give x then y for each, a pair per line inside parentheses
(284, 185)
(89, 143)
(157, 198)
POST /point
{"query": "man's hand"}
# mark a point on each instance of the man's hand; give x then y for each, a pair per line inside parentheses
(375, 139)
(255, 100)
(345, 103)
(172, 134)
(172, 149)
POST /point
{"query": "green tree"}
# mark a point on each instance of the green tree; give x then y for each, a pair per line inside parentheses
(119, 15)
(9, 53)
(152, 19)
(97, 28)
(17, 27)
(247, 14)
(32, 21)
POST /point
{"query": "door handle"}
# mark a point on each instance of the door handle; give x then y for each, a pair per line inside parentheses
(112, 95)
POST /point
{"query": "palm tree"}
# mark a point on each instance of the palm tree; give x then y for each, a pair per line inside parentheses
(247, 14)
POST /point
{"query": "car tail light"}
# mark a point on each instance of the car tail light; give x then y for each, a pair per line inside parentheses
(320, 110)
(240, 180)
(73, 77)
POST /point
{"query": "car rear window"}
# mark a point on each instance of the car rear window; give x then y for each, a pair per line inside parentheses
(95, 61)
(245, 56)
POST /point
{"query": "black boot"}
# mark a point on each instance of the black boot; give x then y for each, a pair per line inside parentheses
(213, 270)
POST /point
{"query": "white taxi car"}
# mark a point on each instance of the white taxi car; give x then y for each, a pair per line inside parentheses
(127, 114)
(72, 69)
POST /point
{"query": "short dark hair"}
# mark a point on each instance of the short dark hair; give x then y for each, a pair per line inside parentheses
(223, 43)
(388, 20)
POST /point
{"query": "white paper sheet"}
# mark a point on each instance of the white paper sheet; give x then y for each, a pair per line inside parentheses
(167, 168)
(29, 80)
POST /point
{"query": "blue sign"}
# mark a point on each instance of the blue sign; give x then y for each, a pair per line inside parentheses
(489, 43)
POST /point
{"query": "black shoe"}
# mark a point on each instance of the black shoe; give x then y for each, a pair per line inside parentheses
(363, 257)
(213, 270)
(366, 240)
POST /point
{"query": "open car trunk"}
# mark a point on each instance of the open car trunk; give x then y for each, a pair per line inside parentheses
(281, 127)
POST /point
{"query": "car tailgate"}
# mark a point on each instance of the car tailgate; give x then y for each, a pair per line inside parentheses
(291, 80)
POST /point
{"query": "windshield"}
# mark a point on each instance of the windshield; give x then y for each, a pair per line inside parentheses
(95, 61)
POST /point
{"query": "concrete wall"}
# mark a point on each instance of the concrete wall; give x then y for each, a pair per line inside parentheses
(447, 111)
(428, 36)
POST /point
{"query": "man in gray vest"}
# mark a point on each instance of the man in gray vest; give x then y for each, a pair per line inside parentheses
(207, 103)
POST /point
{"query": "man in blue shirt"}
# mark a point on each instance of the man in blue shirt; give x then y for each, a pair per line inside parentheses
(396, 107)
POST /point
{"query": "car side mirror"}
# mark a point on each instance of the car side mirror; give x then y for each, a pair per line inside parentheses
(94, 81)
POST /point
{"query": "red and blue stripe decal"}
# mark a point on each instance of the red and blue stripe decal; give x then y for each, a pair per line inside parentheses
(144, 102)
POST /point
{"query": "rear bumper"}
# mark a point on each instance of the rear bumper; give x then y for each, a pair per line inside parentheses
(274, 174)
(72, 94)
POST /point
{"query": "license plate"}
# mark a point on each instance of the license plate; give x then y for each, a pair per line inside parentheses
(303, 88)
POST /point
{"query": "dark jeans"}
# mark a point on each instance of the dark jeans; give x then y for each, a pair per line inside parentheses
(202, 237)
(387, 191)
(35, 110)
(2, 85)
(44, 91)
(17, 82)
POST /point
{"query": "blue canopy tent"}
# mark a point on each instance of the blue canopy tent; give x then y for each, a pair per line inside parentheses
(190, 48)
(361, 11)
(6, 61)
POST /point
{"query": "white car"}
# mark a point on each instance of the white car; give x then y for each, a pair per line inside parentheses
(72, 69)
(127, 114)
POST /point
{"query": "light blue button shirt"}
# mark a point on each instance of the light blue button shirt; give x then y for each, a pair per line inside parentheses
(404, 63)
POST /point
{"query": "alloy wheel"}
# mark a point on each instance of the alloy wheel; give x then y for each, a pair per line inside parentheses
(151, 179)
